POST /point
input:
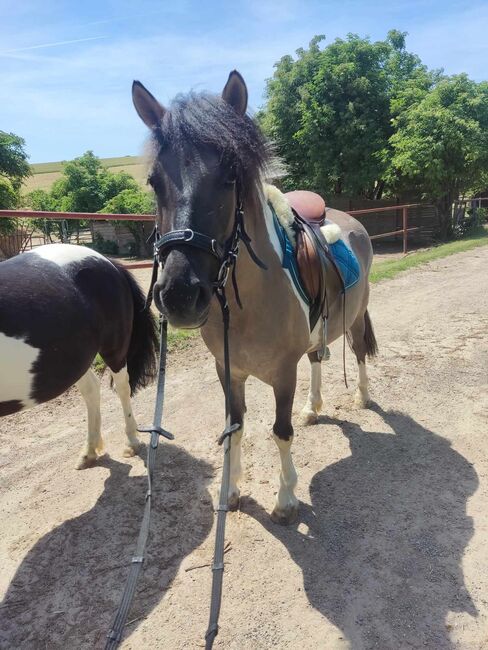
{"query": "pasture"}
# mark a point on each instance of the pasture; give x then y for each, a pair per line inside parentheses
(390, 547)
(45, 174)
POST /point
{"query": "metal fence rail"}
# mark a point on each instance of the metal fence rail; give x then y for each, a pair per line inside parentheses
(90, 216)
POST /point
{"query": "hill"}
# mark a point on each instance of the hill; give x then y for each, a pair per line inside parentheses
(44, 174)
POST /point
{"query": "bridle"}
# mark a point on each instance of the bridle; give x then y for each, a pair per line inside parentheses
(225, 253)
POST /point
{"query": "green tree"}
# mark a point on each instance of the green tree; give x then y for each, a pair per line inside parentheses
(85, 186)
(14, 168)
(440, 145)
(134, 201)
(330, 111)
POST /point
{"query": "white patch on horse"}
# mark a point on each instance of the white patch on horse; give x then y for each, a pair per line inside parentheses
(16, 378)
(63, 254)
(275, 242)
(314, 401)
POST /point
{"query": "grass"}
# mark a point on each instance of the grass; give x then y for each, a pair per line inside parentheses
(391, 268)
(177, 340)
(44, 174)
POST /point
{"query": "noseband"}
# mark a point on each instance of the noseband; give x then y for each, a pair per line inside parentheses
(225, 253)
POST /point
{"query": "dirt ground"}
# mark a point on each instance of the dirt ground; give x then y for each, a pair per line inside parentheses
(390, 550)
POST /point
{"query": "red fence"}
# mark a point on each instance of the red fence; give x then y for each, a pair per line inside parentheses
(403, 231)
(96, 216)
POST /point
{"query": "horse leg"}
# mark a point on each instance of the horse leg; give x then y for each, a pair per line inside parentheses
(121, 381)
(89, 387)
(237, 411)
(286, 508)
(363, 343)
(310, 411)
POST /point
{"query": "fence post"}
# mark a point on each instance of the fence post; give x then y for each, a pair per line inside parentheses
(405, 232)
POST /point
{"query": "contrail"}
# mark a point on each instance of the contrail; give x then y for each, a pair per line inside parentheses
(38, 47)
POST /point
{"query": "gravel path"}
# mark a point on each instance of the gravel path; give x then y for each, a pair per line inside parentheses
(390, 550)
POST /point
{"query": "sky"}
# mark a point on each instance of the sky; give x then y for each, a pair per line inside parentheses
(66, 68)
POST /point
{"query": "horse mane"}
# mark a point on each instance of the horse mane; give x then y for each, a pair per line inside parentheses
(207, 121)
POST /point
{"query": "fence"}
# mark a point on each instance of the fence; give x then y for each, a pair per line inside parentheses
(405, 210)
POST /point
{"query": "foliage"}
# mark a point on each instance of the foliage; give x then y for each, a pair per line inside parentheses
(330, 110)
(87, 186)
(134, 201)
(440, 146)
(13, 169)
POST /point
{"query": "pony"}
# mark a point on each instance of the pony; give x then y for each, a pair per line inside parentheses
(60, 305)
(208, 165)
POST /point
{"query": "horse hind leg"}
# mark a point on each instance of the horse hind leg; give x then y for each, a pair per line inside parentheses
(311, 410)
(121, 382)
(89, 387)
(363, 343)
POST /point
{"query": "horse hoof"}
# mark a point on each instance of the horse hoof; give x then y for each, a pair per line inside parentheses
(285, 516)
(233, 501)
(309, 417)
(361, 401)
(87, 460)
(130, 451)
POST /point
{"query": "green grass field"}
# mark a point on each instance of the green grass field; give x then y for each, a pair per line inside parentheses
(44, 174)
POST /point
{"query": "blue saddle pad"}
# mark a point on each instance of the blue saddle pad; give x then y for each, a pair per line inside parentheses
(347, 262)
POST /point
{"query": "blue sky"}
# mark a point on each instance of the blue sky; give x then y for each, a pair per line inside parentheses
(66, 68)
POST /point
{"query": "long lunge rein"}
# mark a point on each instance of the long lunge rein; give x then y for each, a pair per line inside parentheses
(227, 256)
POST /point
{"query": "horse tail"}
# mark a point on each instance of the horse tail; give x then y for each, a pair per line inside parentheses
(369, 337)
(141, 355)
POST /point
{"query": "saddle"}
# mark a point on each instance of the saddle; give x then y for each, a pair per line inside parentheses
(312, 253)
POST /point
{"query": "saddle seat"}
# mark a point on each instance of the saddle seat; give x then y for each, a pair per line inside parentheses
(308, 205)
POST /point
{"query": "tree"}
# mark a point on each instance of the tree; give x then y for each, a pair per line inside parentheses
(85, 186)
(330, 111)
(440, 145)
(14, 168)
(134, 201)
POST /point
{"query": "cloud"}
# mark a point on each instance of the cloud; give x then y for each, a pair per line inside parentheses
(45, 45)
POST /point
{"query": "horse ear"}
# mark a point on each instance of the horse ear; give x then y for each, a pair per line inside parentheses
(148, 108)
(235, 92)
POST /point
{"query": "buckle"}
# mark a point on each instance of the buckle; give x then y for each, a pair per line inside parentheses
(189, 234)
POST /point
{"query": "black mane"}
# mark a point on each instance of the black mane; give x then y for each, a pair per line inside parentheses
(207, 121)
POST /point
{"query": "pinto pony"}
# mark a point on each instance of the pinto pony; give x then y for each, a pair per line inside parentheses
(208, 170)
(60, 305)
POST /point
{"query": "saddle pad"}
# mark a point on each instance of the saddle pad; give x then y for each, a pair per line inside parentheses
(347, 262)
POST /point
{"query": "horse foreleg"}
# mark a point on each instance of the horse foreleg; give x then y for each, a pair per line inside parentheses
(286, 508)
(237, 411)
(121, 381)
(89, 387)
(310, 412)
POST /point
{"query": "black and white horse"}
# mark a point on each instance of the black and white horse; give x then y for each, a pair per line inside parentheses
(60, 305)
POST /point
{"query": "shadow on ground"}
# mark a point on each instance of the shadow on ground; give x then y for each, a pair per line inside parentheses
(386, 535)
(68, 587)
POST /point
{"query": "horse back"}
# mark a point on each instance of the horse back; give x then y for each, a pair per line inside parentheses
(59, 306)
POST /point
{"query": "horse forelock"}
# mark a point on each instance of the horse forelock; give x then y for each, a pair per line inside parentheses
(207, 122)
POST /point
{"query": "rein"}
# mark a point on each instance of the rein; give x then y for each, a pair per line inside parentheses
(227, 256)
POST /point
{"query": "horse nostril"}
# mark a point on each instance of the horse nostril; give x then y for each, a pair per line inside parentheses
(203, 297)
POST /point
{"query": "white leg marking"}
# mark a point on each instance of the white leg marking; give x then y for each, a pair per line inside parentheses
(314, 401)
(235, 468)
(362, 395)
(89, 387)
(17, 359)
(121, 381)
(286, 501)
